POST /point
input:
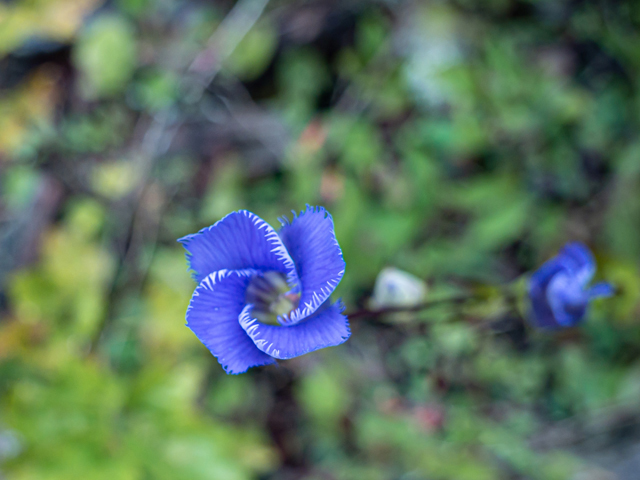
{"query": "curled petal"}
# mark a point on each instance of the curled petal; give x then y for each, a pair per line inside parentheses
(311, 241)
(567, 299)
(327, 327)
(542, 313)
(578, 259)
(241, 240)
(213, 316)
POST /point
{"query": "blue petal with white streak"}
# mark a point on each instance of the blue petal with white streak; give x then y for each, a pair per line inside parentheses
(311, 241)
(239, 241)
(579, 260)
(213, 315)
(327, 327)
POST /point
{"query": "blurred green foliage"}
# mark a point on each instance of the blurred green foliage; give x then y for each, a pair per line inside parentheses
(461, 141)
(105, 55)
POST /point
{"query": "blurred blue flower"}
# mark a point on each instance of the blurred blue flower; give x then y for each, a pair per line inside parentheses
(264, 295)
(558, 290)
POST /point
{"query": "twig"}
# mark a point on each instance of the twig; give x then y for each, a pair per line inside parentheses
(235, 26)
(369, 313)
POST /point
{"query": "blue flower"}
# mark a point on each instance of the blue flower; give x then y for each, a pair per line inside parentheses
(558, 290)
(264, 295)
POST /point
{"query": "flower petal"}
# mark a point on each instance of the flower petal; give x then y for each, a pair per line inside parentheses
(213, 316)
(602, 289)
(542, 314)
(567, 299)
(577, 258)
(239, 241)
(311, 240)
(327, 327)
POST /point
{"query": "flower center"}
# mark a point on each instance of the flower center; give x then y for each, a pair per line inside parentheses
(271, 297)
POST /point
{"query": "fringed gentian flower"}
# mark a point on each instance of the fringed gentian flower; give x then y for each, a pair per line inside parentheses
(558, 290)
(264, 295)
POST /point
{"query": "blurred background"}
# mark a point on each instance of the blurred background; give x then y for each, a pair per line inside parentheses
(461, 141)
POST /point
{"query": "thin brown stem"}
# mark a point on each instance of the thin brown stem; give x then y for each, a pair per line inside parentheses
(374, 313)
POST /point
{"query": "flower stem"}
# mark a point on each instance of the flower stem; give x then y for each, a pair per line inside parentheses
(373, 313)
